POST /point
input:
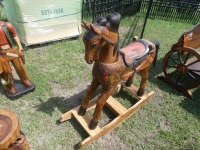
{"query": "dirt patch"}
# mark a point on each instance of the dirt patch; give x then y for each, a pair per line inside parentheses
(112, 141)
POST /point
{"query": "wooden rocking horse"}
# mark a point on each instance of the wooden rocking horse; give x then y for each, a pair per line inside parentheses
(112, 65)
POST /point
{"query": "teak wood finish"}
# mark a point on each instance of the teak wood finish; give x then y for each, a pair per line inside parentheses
(101, 41)
(114, 106)
(11, 138)
(181, 65)
(10, 54)
(110, 69)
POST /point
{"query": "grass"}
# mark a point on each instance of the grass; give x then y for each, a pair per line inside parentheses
(168, 121)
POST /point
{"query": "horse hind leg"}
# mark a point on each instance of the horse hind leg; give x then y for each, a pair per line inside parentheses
(144, 76)
(129, 81)
(94, 85)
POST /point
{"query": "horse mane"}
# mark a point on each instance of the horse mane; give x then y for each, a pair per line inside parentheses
(111, 21)
(101, 21)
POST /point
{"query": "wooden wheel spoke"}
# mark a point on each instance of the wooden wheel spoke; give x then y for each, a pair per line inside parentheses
(172, 73)
(173, 60)
(186, 81)
(192, 63)
(178, 78)
(169, 66)
(193, 70)
(188, 54)
(195, 74)
(191, 75)
(179, 57)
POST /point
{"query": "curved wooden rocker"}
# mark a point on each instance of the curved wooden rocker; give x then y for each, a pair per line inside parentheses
(111, 66)
(114, 106)
(11, 138)
(181, 65)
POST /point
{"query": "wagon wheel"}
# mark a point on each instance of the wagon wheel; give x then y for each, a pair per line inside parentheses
(181, 67)
(9, 128)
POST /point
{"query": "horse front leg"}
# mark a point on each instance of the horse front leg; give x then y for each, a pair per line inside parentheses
(101, 102)
(144, 76)
(94, 85)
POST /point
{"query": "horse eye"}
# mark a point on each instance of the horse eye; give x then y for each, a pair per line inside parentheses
(93, 45)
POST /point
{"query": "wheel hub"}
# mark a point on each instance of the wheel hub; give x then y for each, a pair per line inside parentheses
(182, 68)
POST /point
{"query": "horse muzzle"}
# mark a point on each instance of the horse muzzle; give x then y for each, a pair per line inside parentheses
(88, 60)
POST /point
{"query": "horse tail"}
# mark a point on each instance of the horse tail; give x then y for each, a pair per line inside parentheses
(157, 45)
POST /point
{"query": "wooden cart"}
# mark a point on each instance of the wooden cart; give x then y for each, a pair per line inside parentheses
(181, 65)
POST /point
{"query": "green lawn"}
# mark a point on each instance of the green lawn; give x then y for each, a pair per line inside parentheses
(168, 121)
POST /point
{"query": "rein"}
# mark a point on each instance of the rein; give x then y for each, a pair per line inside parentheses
(97, 52)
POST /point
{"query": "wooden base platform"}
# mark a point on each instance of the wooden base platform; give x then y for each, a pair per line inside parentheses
(120, 111)
(21, 90)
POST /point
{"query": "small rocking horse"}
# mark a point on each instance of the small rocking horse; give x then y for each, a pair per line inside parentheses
(111, 64)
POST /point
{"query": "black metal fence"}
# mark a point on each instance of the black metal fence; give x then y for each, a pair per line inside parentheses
(98, 8)
(177, 10)
(87, 8)
(174, 10)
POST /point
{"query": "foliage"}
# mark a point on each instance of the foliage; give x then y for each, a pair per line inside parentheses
(2, 13)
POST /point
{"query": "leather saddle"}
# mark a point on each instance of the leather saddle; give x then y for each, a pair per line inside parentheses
(134, 53)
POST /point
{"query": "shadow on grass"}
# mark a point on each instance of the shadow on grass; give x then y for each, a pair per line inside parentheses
(192, 105)
(125, 96)
(63, 104)
(131, 32)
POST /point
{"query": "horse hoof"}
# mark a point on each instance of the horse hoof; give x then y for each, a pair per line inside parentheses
(93, 124)
(140, 92)
(128, 83)
(81, 111)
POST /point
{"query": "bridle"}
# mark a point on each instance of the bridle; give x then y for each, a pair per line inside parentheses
(103, 38)
(100, 33)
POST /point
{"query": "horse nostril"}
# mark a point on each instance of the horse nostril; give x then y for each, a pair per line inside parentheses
(90, 61)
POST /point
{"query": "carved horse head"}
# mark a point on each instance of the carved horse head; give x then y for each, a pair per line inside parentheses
(94, 39)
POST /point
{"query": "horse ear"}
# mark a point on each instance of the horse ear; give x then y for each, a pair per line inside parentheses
(98, 31)
(108, 40)
(85, 25)
(95, 29)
